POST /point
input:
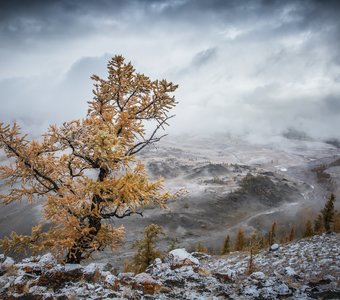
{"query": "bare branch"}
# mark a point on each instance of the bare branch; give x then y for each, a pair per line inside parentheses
(127, 213)
(141, 145)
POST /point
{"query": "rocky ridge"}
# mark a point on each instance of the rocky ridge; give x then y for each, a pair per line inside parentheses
(304, 269)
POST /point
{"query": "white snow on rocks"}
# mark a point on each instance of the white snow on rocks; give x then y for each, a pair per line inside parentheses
(180, 257)
(8, 263)
(304, 269)
(274, 247)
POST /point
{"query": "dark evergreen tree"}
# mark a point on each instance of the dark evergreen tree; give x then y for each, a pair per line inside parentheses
(226, 246)
(272, 234)
(328, 213)
(318, 224)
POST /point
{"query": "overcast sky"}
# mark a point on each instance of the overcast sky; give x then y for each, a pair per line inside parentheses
(255, 67)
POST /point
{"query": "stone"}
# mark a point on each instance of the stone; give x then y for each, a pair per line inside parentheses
(7, 264)
(274, 247)
(47, 261)
(223, 277)
(283, 289)
(258, 276)
(58, 279)
(289, 271)
(179, 258)
(147, 283)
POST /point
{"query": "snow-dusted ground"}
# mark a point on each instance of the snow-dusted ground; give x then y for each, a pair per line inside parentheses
(304, 269)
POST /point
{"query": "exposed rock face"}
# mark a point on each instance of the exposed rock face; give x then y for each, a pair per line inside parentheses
(305, 269)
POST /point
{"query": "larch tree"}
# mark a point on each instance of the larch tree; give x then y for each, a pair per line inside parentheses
(240, 240)
(308, 229)
(146, 248)
(226, 246)
(255, 241)
(318, 224)
(200, 247)
(272, 234)
(291, 235)
(328, 213)
(86, 171)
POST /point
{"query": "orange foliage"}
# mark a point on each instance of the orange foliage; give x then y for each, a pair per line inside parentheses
(60, 166)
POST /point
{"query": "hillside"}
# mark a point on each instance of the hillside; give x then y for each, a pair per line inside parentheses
(304, 269)
(229, 183)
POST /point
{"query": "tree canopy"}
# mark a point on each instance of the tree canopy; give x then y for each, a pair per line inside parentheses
(87, 171)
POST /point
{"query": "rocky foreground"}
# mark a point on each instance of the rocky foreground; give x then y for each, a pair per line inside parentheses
(304, 269)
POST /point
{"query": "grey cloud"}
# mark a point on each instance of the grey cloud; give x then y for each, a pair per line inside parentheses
(332, 104)
(241, 66)
(38, 101)
(204, 57)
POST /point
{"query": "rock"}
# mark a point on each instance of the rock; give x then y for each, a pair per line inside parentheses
(126, 278)
(179, 258)
(91, 268)
(223, 277)
(6, 263)
(289, 271)
(200, 255)
(20, 285)
(92, 272)
(250, 291)
(72, 267)
(258, 276)
(57, 279)
(283, 289)
(2, 258)
(274, 247)
(111, 280)
(157, 268)
(147, 283)
(47, 261)
(30, 268)
(183, 276)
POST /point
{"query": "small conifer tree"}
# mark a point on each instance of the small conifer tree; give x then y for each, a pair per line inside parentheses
(251, 265)
(200, 247)
(172, 244)
(318, 224)
(240, 240)
(255, 241)
(328, 213)
(308, 230)
(226, 246)
(336, 224)
(146, 248)
(272, 234)
(291, 235)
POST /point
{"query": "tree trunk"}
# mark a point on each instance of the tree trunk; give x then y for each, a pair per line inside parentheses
(74, 256)
(83, 244)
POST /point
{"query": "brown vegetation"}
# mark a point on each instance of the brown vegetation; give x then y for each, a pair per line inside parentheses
(146, 250)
